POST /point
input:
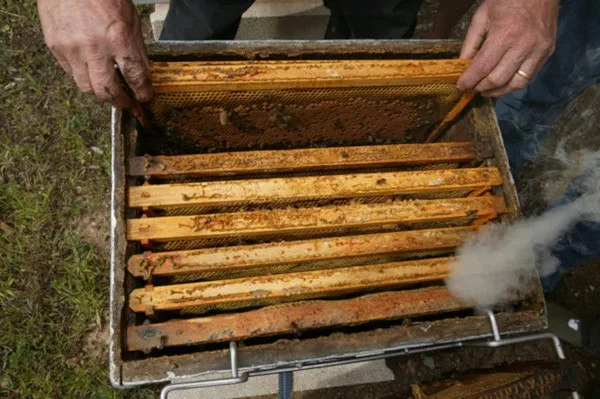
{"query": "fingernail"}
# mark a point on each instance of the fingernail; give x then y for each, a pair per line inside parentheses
(147, 96)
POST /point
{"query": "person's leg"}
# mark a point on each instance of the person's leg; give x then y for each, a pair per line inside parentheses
(374, 19)
(447, 16)
(337, 28)
(582, 242)
(203, 19)
(525, 117)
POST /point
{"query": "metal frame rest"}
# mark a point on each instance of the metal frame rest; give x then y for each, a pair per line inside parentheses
(496, 342)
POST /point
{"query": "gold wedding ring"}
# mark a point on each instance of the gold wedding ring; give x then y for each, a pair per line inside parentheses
(524, 74)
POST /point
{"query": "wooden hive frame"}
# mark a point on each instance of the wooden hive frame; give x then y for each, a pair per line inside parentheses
(293, 317)
(306, 221)
(403, 166)
(303, 160)
(282, 288)
(299, 74)
(460, 190)
(286, 190)
(233, 260)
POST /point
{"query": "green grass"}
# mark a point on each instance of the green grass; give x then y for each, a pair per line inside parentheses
(53, 274)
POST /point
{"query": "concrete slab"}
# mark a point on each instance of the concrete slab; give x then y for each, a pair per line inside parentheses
(268, 19)
(157, 18)
(350, 374)
(284, 20)
(289, 28)
(281, 8)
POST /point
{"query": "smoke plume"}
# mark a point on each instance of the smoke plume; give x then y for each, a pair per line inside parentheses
(500, 260)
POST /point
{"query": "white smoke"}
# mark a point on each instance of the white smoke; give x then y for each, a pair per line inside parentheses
(499, 261)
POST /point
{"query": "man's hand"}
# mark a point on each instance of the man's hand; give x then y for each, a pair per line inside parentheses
(508, 39)
(88, 37)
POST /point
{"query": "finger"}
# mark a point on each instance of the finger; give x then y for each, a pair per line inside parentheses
(531, 66)
(63, 62)
(140, 43)
(135, 72)
(134, 67)
(505, 70)
(475, 35)
(144, 55)
(492, 51)
(105, 82)
(547, 54)
(127, 47)
(498, 92)
(78, 69)
(81, 76)
(490, 54)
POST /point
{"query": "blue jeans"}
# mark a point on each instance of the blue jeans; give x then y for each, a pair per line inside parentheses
(526, 117)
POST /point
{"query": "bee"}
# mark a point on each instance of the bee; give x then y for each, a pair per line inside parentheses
(224, 117)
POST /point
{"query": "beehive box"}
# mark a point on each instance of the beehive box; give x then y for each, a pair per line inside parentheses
(302, 199)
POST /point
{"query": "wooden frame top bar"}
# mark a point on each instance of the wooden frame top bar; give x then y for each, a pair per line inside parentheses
(263, 75)
(223, 193)
(293, 318)
(234, 258)
(280, 288)
(312, 220)
(302, 160)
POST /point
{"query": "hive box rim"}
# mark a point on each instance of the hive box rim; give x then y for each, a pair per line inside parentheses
(159, 370)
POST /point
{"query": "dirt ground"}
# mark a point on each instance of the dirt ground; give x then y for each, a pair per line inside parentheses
(54, 181)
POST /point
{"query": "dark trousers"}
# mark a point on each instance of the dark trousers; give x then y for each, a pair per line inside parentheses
(350, 19)
(527, 116)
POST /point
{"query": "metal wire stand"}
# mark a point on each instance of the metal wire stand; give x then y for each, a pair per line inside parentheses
(237, 377)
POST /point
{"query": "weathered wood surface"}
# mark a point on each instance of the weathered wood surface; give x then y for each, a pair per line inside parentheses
(293, 318)
(280, 288)
(261, 75)
(234, 258)
(293, 189)
(302, 160)
(313, 220)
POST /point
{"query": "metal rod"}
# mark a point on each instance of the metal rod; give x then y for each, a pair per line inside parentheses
(558, 347)
(509, 341)
(243, 377)
(233, 359)
(494, 323)
(236, 378)
(398, 352)
(522, 339)
(286, 381)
